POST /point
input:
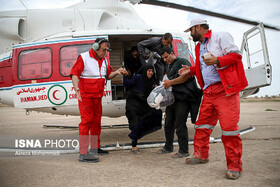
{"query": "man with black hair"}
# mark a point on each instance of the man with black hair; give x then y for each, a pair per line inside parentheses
(187, 100)
(88, 76)
(131, 61)
(155, 44)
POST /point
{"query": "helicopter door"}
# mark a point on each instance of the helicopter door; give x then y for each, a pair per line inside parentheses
(257, 68)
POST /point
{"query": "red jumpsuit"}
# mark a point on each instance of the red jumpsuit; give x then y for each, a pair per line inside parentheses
(221, 100)
(91, 73)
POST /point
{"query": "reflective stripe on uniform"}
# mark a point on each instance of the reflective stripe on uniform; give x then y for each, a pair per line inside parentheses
(230, 133)
(204, 127)
(93, 76)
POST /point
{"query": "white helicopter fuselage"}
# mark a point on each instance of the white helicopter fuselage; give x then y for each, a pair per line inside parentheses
(39, 47)
(40, 72)
(35, 73)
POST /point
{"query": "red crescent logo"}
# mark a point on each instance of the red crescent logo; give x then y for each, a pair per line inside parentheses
(54, 95)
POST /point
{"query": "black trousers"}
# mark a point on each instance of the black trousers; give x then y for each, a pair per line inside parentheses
(176, 118)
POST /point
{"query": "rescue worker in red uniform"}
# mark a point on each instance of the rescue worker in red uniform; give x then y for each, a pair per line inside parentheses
(220, 73)
(88, 76)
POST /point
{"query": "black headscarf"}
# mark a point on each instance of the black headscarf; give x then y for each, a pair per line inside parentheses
(148, 84)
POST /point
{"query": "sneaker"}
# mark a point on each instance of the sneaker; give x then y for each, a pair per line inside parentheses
(232, 174)
(180, 155)
(99, 151)
(88, 158)
(195, 160)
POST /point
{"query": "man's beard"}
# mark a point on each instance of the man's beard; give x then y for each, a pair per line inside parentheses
(196, 37)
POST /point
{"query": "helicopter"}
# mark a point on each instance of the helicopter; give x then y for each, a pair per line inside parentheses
(39, 47)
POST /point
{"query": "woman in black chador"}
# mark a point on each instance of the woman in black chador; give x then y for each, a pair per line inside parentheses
(141, 117)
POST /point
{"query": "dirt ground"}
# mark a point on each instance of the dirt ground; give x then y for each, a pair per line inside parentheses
(261, 154)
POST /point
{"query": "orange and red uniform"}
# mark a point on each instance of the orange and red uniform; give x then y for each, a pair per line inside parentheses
(92, 73)
(221, 99)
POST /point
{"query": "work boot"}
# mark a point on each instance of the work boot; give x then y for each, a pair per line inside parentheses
(98, 151)
(88, 158)
(232, 174)
(195, 160)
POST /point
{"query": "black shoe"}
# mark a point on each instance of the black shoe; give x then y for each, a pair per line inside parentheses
(99, 151)
(88, 158)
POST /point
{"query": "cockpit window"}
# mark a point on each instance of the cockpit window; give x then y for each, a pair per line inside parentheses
(35, 64)
(68, 56)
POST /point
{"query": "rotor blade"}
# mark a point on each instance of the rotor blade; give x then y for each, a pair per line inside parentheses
(206, 12)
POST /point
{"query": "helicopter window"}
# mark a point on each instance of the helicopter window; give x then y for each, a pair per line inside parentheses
(68, 56)
(35, 64)
(183, 50)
